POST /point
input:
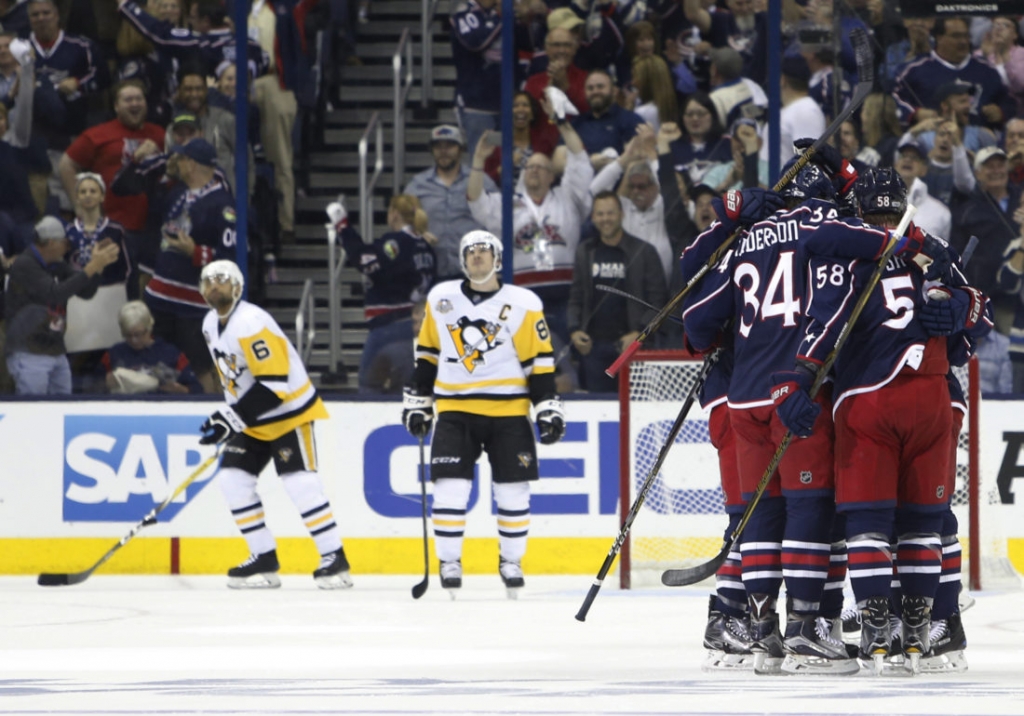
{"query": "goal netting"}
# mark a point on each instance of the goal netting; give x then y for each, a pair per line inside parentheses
(682, 520)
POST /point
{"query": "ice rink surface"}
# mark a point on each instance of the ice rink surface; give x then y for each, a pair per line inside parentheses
(188, 645)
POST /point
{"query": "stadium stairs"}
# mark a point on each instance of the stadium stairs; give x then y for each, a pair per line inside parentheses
(332, 168)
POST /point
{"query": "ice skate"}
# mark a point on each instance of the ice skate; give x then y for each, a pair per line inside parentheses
(895, 664)
(451, 576)
(811, 648)
(851, 620)
(917, 618)
(727, 640)
(948, 641)
(512, 575)
(765, 635)
(333, 572)
(257, 572)
(875, 633)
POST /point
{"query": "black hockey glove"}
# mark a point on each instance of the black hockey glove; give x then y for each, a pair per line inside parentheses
(221, 427)
(792, 398)
(417, 412)
(550, 419)
(827, 157)
(951, 310)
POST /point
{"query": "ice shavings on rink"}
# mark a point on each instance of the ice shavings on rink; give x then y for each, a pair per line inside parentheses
(188, 645)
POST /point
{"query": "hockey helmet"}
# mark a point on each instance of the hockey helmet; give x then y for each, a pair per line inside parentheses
(220, 271)
(880, 191)
(811, 182)
(480, 238)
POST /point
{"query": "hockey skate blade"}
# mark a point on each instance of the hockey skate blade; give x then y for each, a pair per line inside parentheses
(765, 665)
(913, 662)
(952, 662)
(718, 661)
(512, 592)
(256, 581)
(342, 580)
(803, 665)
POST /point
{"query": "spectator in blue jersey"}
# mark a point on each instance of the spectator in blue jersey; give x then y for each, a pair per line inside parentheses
(199, 227)
(68, 71)
(703, 143)
(740, 28)
(92, 323)
(951, 61)
(441, 190)
(143, 363)
(398, 271)
(14, 17)
(476, 51)
(917, 44)
(952, 101)
(39, 285)
(606, 126)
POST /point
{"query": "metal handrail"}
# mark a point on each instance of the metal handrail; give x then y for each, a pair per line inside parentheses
(401, 94)
(335, 262)
(366, 186)
(304, 334)
(427, 49)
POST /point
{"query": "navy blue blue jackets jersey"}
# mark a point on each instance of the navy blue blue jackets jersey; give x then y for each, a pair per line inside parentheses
(919, 79)
(69, 56)
(398, 270)
(476, 51)
(161, 360)
(208, 216)
(82, 242)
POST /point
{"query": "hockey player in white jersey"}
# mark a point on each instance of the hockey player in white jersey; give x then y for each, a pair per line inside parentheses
(484, 356)
(271, 406)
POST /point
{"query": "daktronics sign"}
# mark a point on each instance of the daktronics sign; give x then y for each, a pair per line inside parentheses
(117, 468)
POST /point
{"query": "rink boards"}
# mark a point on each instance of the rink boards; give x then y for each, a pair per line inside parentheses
(78, 476)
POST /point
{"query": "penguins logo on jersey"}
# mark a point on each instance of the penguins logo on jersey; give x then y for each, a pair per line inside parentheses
(229, 369)
(472, 340)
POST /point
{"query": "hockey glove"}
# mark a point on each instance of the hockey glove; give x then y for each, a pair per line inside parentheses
(550, 419)
(417, 412)
(337, 213)
(828, 158)
(743, 208)
(792, 398)
(951, 310)
(221, 427)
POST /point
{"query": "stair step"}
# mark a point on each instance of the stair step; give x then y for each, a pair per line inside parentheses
(441, 49)
(392, 28)
(386, 73)
(293, 292)
(385, 94)
(341, 161)
(359, 116)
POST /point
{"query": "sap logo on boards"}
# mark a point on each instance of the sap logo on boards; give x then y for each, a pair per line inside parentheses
(117, 468)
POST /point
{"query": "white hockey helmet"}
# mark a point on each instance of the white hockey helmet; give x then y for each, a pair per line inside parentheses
(476, 238)
(220, 271)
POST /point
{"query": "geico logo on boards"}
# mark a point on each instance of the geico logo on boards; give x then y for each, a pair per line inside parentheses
(117, 468)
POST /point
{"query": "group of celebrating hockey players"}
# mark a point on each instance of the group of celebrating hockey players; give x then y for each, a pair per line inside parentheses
(864, 487)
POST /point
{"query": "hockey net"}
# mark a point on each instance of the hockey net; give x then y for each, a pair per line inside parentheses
(682, 520)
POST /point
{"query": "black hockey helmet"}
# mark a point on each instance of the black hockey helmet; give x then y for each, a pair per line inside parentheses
(811, 182)
(880, 191)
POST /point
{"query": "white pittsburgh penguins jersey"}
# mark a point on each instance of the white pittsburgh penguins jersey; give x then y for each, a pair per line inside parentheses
(253, 347)
(485, 352)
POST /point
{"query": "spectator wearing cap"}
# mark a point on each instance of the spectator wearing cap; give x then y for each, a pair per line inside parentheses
(953, 102)
(800, 116)
(606, 125)
(990, 212)
(218, 125)
(741, 28)
(199, 227)
(106, 149)
(1001, 49)
(733, 95)
(476, 51)
(951, 61)
(912, 165)
(561, 71)
(600, 32)
(441, 190)
(40, 283)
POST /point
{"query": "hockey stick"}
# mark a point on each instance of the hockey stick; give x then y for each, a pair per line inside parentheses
(47, 579)
(709, 363)
(692, 575)
(864, 86)
(420, 589)
(619, 292)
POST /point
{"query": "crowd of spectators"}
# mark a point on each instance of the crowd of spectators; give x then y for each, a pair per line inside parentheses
(118, 183)
(662, 105)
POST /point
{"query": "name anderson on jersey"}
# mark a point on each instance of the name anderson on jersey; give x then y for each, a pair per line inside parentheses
(763, 236)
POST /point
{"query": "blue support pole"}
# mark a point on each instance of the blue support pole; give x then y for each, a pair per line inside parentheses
(508, 79)
(774, 78)
(240, 16)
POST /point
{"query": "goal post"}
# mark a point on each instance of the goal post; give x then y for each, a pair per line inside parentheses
(683, 519)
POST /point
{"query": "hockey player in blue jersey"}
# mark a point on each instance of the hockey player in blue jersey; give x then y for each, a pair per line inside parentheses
(892, 457)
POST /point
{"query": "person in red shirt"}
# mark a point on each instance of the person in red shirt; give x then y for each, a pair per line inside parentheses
(560, 45)
(105, 149)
